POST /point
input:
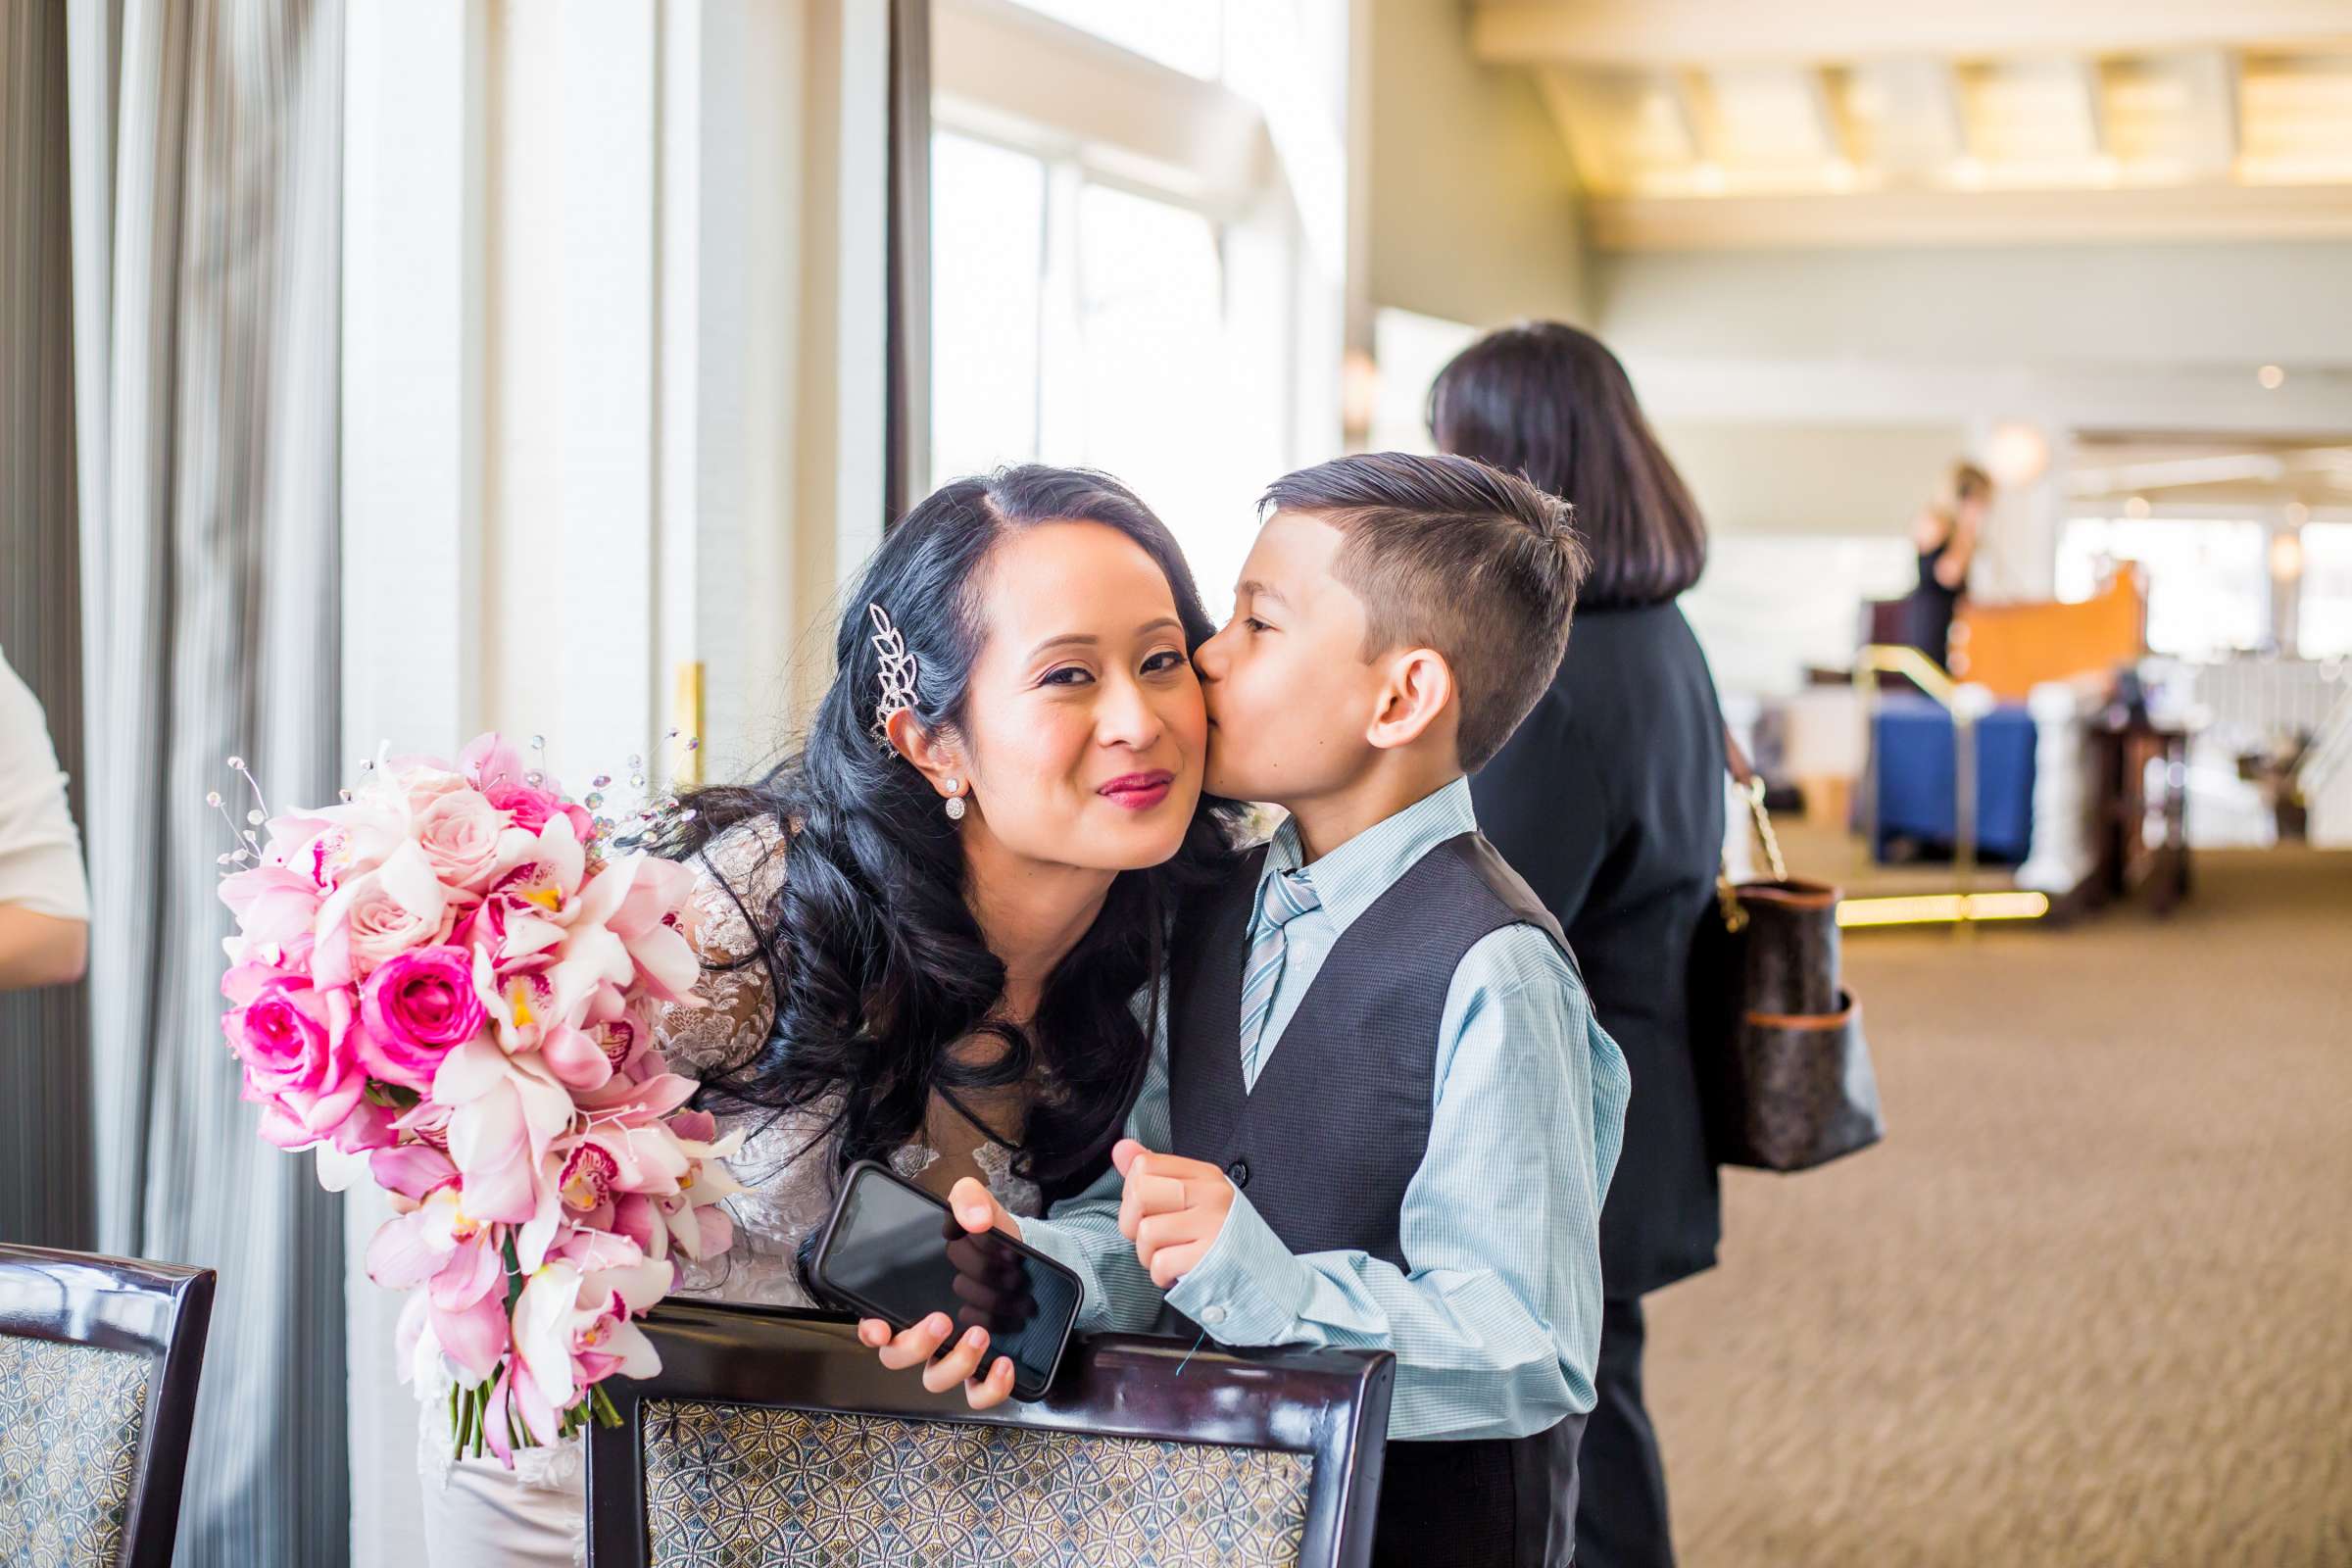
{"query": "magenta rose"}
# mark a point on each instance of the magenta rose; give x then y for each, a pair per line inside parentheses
(293, 1062)
(533, 807)
(417, 1006)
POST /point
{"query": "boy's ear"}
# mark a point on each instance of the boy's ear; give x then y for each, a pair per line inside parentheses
(934, 753)
(1415, 699)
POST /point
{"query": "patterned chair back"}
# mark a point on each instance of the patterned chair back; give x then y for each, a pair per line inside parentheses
(99, 1358)
(774, 1439)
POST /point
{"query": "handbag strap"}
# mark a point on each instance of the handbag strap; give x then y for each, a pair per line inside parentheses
(1750, 785)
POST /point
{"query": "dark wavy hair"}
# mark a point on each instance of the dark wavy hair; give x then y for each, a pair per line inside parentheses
(875, 963)
(1549, 401)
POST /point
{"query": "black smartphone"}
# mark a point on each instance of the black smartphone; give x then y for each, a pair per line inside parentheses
(894, 1252)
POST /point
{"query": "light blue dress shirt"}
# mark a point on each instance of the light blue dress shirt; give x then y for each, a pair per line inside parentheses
(1495, 1319)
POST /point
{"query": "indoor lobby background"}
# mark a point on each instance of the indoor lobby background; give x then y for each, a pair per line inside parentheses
(392, 371)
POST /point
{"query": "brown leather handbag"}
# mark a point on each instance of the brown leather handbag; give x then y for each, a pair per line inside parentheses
(1783, 1068)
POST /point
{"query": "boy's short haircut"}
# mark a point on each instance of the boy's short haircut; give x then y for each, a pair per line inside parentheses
(1449, 553)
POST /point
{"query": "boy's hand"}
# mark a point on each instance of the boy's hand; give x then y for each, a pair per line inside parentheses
(981, 1285)
(1172, 1211)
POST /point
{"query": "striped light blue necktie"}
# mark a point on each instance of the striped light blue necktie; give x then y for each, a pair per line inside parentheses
(1286, 896)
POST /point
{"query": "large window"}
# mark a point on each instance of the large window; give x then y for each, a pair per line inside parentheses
(1080, 322)
(2324, 616)
(2208, 580)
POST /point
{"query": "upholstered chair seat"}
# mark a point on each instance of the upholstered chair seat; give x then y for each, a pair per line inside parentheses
(774, 1440)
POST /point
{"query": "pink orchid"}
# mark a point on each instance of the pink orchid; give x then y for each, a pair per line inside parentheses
(439, 1350)
(273, 904)
(653, 892)
(576, 1056)
(573, 1328)
(413, 1170)
(456, 1259)
(505, 1111)
(689, 1218)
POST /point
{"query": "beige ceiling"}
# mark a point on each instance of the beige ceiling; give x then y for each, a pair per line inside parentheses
(1827, 121)
(2174, 469)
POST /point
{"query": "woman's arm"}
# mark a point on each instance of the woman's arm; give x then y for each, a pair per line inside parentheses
(44, 898)
(1951, 568)
(40, 950)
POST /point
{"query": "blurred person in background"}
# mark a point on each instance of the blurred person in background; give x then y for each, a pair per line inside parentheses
(44, 898)
(1945, 535)
(1610, 801)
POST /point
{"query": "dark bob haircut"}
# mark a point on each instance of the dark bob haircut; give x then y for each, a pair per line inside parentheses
(1549, 401)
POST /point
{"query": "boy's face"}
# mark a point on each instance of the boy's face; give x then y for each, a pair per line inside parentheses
(1291, 695)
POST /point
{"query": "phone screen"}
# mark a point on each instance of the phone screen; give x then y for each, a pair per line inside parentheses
(895, 1250)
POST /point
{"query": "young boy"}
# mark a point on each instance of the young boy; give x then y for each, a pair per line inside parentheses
(1382, 1116)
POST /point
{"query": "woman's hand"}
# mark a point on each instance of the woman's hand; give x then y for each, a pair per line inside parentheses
(988, 1297)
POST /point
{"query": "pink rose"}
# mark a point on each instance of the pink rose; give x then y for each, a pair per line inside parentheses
(295, 1063)
(533, 807)
(460, 833)
(400, 905)
(418, 1005)
(424, 780)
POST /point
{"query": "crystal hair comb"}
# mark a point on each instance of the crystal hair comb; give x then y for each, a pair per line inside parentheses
(898, 673)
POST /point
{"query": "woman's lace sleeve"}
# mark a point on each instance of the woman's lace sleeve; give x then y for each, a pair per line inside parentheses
(736, 877)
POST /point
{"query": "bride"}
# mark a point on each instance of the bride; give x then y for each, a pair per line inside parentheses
(922, 937)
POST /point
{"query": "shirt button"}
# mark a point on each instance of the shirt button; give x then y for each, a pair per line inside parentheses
(1239, 1170)
(1211, 1316)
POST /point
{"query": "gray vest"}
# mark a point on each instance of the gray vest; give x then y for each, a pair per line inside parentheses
(1329, 1138)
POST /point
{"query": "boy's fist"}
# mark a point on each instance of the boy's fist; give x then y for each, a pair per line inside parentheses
(1172, 1211)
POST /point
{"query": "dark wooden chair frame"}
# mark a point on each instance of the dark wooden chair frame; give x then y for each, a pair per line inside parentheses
(156, 1311)
(1330, 1404)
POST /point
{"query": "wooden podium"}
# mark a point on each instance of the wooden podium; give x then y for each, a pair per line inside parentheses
(2012, 648)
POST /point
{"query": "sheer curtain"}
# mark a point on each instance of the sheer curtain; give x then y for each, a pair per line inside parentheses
(206, 169)
(44, 1035)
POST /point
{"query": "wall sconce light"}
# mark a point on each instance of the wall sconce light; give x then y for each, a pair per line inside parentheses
(2286, 556)
(1359, 395)
(2016, 455)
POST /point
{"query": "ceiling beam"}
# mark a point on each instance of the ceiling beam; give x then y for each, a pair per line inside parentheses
(2215, 74)
(1902, 217)
(1658, 33)
(2093, 89)
(1826, 88)
(1580, 127)
(1695, 105)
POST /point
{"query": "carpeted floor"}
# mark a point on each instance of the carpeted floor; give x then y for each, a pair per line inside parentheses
(2091, 1302)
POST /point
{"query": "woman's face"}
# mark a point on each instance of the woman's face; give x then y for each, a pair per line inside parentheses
(1084, 732)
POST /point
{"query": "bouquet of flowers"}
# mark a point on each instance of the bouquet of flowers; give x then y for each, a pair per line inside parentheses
(446, 981)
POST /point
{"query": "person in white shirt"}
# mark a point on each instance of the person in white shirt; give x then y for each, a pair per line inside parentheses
(44, 900)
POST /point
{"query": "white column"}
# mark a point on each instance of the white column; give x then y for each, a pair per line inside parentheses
(568, 646)
(413, 241)
(613, 325)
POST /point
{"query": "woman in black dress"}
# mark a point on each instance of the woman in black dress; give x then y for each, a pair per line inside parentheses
(1945, 535)
(1610, 801)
